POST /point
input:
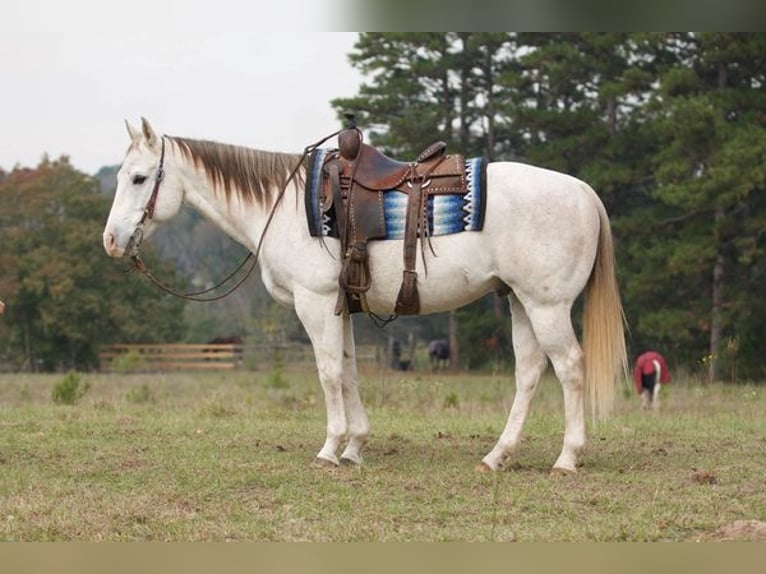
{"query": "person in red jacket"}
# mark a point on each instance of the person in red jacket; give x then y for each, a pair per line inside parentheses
(649, 374)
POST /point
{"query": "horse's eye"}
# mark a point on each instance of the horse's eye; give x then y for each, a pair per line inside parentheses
(139, 179)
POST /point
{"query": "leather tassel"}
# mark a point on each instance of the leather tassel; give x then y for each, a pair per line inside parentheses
(408, 300)
(355, 273)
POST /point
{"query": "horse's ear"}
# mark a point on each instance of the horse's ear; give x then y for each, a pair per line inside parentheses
(149, 135)
(134, 134)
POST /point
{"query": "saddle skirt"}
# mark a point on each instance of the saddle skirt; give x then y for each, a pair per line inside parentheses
(448, 212)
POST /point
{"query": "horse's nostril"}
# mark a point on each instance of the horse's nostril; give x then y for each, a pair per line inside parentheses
(110, 241)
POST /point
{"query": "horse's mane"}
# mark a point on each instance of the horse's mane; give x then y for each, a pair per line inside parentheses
(252, 174)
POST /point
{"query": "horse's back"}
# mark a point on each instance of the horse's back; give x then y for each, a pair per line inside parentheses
(540, 237)
(534, 196)
(543, 226)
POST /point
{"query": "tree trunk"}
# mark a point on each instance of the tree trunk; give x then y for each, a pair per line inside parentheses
(29, 364)
(454, 347)
(498, 304)
(716, 321)
(489, 84)
(611, 115)
(465, 93)
(448, 104)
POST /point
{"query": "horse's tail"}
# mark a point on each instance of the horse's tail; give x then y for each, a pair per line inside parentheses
(606, 359)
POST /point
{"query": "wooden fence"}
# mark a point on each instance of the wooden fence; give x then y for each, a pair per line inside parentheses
(126, 358)
(170, 357)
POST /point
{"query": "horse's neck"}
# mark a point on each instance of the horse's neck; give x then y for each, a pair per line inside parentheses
(238, 219)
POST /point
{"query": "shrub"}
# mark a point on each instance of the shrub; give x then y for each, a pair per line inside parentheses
(140, 395)
(276, 379)
(129, 362)
(70, 389)
(451, 401)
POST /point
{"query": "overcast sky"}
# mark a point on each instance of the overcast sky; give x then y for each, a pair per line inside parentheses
(72, 71)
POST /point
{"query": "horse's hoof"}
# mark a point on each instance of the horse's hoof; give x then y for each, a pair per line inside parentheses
(483, 467)
(325, 462)
(561, 471)
(346, 461)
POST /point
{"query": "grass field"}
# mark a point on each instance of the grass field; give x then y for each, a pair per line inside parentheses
(189, 457)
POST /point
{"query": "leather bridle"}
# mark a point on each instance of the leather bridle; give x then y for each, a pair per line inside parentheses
(138, 234)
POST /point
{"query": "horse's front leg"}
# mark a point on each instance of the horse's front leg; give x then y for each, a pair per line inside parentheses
(334, 354)
(356, 417)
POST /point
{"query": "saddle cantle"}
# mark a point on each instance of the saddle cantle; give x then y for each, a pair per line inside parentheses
(374, 171)
(349, 187)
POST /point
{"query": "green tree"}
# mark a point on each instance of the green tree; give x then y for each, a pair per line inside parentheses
(64, 296)
(711, 171)
(400, 107)
(575, 107)
(427, 86)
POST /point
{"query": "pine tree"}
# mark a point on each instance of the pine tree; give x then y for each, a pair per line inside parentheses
(711, 115)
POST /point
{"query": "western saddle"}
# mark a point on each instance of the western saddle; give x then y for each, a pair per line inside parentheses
(355, 176)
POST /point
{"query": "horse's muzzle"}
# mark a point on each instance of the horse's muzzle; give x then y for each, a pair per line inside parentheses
(110, 245)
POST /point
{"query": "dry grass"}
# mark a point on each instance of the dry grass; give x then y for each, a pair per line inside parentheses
(229, 457)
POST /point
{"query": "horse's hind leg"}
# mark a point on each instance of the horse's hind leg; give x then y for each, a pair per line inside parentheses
(530, 365)
(553, 327)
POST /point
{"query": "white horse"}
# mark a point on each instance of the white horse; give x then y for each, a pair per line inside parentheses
(546, 237)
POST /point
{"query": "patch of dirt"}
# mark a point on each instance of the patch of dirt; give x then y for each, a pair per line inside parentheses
(744, 530)
(704, 477)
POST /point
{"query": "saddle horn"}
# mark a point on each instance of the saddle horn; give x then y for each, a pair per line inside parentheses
(350, 141)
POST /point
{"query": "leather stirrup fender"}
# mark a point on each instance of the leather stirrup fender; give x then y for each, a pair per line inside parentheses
(408, 300)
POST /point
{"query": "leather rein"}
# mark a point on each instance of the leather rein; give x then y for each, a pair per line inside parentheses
(136, 238)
